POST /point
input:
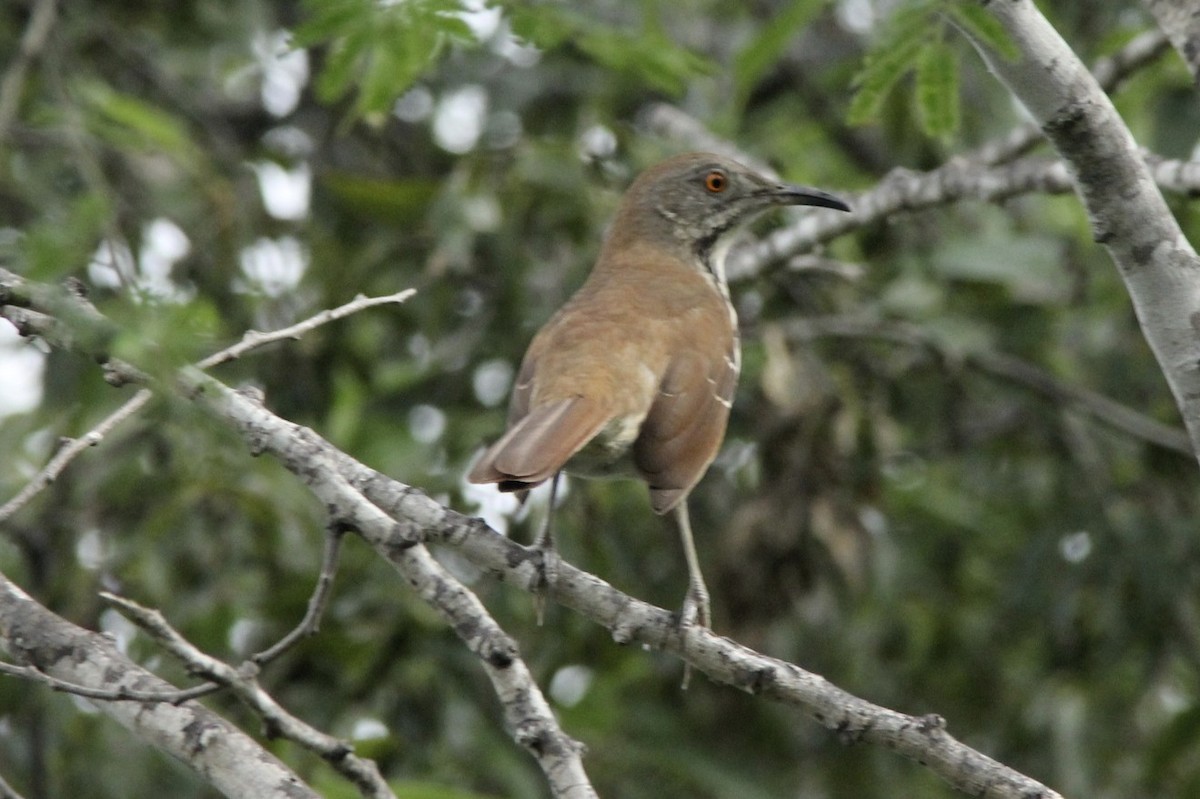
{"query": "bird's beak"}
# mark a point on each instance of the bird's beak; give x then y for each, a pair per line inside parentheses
(802, 195)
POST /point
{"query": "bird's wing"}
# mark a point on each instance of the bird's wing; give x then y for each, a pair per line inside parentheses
(540, 443)
(684, 428)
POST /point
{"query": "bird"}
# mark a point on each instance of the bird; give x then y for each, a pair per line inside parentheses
(635, 374)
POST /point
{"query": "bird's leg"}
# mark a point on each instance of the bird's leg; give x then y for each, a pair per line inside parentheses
(544, 543)
(695, 602)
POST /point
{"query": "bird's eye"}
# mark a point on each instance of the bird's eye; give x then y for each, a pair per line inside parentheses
(716, 181)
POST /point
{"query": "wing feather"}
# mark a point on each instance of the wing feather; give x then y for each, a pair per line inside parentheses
(686, 424)
(539, 444)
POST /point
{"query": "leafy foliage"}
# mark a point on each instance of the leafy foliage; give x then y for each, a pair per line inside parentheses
(914, 40)
(931, 535)
(647, 54)
(379, 48)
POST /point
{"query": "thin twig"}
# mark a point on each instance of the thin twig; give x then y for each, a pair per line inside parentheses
(1005, 367)
(70, 449)
(316, 603)
(30, 307)
(122, 694)
(7, 791)
(41, 21)
(253, 339)
(631, 621)
(906, 191)
(528, 715)
(363, 773)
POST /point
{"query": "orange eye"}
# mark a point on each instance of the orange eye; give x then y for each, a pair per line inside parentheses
(716, 182)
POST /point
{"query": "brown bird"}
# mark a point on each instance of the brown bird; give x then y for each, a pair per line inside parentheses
(635, 375)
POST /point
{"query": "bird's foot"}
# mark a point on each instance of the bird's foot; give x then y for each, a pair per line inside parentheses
(695, 613)
(549, 577)
(696, 609)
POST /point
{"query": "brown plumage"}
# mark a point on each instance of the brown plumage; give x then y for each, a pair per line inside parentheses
(635, 374)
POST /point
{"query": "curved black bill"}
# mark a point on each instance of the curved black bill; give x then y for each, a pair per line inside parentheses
(803, 195)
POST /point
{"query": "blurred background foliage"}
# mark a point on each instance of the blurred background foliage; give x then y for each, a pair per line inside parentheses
(929, 536)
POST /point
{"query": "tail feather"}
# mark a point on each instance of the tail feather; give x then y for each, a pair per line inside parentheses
(539, 444)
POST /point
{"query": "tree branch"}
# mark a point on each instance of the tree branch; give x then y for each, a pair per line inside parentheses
(1005, 367)
(253, 339)
(363, 773)
(228, 759)
(19, 303)
(41, 21)
(1127, 211)
(315, 461)
(317, 603)
(1180, 20)
(71, 448)
(904, 190)
(631, 621)
(7, 791)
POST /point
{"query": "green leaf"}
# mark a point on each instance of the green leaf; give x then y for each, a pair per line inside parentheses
(937, 91)
(123, 119)
(761, 52)
(379, 50)
(648, 55)
(984, 27)
(890, 59)
(387, 199)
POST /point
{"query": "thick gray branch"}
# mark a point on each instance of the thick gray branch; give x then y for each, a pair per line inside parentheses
(958, 179)
(398, 519)
(228, 759)
(316, 462)
(631, 621)
(1180, 20)
(1128, 214)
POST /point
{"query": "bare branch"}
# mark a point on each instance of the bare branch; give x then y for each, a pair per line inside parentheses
(363, 773)
(7, 791)
(316, 603)
(315, 461)
(60, 316)
(253, 339)
(1127, 211)
(1005, 367)
(1178, 18)
(228, 759)
(631, 621)
(70, 449)
(903, 190)
(41, 21)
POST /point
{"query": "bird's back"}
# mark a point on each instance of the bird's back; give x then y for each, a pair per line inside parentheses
(624, 379)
